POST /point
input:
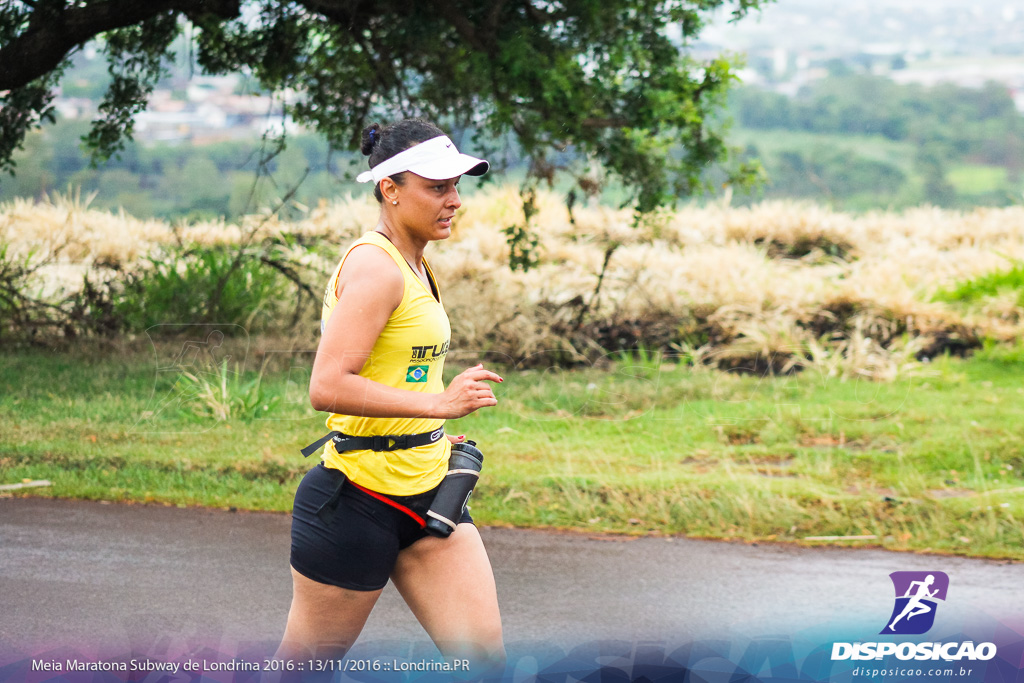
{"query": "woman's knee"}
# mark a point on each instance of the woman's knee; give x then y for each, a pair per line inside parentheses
(477, 659)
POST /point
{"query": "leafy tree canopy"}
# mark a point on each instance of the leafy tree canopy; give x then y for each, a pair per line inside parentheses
(609, 79)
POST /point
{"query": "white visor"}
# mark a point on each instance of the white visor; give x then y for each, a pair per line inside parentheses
(434, 159)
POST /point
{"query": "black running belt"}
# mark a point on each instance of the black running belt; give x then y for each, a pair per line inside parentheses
(392, 442)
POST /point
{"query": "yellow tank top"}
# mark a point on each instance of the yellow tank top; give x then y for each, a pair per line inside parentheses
(409, 354)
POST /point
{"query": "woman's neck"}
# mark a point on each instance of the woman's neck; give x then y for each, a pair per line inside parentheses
(410, 249)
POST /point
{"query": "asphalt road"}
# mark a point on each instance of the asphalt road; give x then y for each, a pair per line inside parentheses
(108, 577)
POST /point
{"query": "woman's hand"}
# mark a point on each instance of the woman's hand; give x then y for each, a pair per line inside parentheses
(467, 392)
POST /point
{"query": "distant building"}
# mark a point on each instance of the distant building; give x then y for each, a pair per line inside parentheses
(204, 110)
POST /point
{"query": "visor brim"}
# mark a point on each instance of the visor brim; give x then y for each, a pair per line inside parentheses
(443, 169)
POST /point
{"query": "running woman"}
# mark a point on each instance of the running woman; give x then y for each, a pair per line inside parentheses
(358, 515)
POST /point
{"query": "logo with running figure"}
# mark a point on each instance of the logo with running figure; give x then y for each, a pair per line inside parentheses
(916, 596)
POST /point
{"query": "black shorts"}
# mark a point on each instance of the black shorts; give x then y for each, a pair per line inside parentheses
(346, 537)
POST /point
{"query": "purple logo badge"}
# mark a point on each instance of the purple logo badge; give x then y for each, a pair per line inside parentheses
(916, 596)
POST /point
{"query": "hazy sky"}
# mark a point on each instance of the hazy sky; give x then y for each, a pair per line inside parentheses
(943, 25)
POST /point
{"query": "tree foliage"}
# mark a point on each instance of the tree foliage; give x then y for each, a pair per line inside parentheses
(609, 80)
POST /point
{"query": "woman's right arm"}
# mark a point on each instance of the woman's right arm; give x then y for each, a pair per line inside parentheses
(370, 288)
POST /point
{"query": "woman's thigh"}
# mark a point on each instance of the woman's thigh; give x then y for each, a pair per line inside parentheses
(449, 586)
(324, 620)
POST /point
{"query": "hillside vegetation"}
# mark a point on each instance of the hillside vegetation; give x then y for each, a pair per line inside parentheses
(777, 286)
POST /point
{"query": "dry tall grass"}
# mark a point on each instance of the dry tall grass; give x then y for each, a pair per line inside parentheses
(778, 285)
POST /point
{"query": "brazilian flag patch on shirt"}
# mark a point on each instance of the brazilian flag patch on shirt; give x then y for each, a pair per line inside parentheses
(416, 373)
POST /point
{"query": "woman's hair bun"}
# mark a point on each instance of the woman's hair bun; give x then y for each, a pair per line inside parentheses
(371, 136)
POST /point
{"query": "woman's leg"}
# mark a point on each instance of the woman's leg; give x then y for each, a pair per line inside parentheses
(449, 586)
(324, 620)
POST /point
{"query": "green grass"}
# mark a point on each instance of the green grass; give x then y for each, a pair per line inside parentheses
(990, 284)
(1011, 355)
(977, 179)
(640, 447)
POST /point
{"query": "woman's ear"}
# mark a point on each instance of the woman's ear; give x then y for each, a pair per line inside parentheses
(389, 190)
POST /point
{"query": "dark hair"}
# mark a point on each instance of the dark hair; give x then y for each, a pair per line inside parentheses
(380, 144)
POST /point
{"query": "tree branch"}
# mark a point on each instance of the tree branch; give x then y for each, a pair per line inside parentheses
(494, 16)
(39, 50)
(617, 122)
(348, 14)
(463, 26)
